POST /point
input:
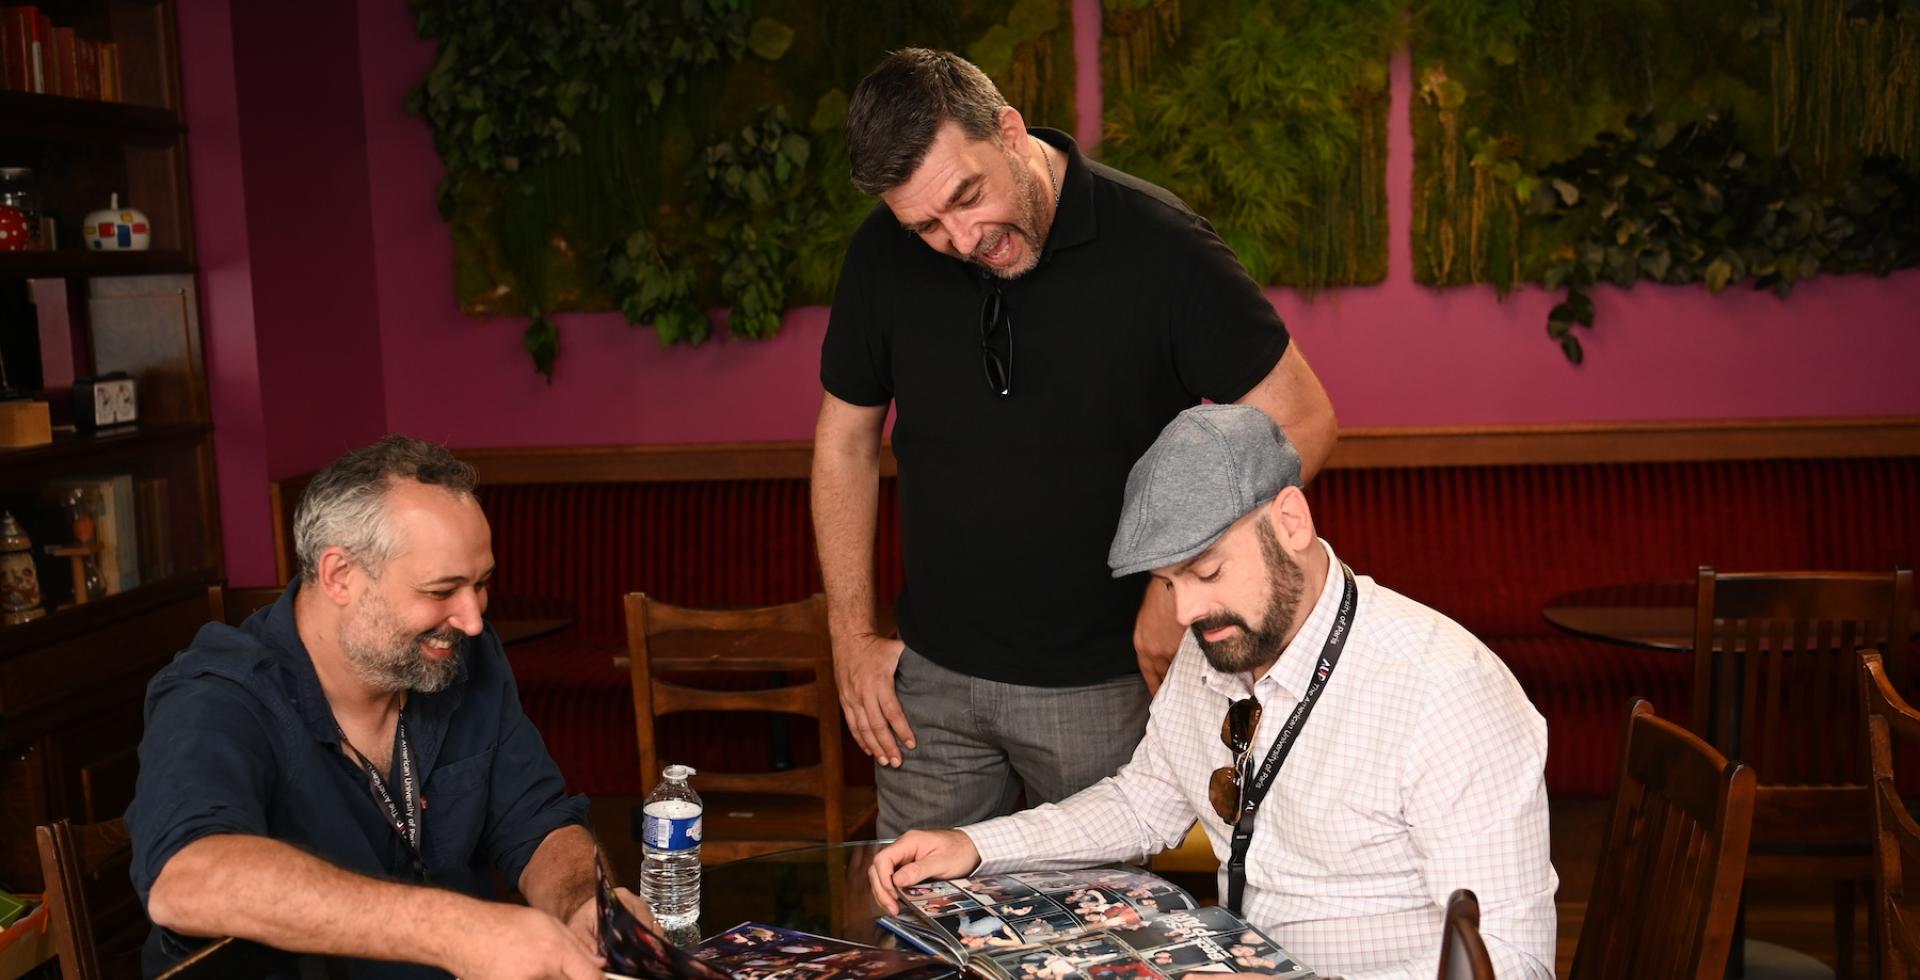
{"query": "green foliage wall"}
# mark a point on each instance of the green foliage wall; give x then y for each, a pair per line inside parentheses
(665, 158)
(668, 157)
(1507, 89)
(1267, 116)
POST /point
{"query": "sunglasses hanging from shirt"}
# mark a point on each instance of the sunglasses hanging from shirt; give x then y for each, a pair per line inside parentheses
(1251, 791)
(995, 320)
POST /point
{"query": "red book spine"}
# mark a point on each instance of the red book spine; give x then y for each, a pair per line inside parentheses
(23, 27)
(88, 53)
(15, 61)
(66, 61)
(46, 79)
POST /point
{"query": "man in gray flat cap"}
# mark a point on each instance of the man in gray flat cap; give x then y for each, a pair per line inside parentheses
(1352, 755)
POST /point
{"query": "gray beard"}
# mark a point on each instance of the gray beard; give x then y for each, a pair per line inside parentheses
(385, 658)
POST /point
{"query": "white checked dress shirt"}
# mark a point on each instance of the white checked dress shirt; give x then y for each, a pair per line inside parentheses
(1420, 771)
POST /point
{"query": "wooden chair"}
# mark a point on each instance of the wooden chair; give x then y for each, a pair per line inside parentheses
(75, 861)
(754, 812)
(1890, 719)
(232, 606)
(1463, 955)
(1666, 888)
(1775, 685)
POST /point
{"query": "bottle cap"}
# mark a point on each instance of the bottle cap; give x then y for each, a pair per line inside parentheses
(677, 774)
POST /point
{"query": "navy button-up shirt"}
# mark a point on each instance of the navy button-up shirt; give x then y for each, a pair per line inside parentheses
(240, 740)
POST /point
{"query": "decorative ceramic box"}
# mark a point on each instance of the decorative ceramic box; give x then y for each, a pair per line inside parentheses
(116, 229)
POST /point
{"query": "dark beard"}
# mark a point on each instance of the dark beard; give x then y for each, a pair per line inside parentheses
(1253, 649)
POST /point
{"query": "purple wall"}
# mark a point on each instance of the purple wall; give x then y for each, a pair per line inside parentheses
(1391, 355)
(215, 168)
(297, 71)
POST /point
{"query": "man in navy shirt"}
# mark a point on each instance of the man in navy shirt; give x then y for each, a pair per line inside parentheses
(341, 774)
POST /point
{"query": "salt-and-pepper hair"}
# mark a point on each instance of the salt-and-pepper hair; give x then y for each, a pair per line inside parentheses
(345, 505)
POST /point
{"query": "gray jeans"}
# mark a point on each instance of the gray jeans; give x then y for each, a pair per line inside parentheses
(981, 742)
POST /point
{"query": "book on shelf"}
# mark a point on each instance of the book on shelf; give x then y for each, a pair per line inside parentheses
(752, 951)
(19, 29)
(66, 62)
(1116, 923)
(110, 87)
(39, 56)
(88, 55)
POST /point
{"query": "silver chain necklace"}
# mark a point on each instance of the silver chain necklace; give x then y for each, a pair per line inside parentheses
(1052, 181)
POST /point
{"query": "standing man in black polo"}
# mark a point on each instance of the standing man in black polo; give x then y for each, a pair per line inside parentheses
(1052, 316)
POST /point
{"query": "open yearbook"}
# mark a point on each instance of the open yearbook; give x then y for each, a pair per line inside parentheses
(1095, 924)
(751, 951)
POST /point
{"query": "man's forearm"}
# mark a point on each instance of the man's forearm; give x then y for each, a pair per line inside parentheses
(846, 503)
(273, 893)
(559, 878)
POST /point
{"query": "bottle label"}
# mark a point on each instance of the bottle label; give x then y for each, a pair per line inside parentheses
(671, 833)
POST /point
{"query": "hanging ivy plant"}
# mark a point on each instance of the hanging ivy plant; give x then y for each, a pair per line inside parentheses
(1682, 203)
(514, 81)
(664, 158)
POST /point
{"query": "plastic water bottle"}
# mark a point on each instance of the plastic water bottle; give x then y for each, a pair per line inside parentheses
(670, 870)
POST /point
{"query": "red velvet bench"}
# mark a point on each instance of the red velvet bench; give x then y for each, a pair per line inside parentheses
(1475, 528)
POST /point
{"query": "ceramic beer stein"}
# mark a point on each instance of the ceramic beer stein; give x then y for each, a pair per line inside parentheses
(19, 580)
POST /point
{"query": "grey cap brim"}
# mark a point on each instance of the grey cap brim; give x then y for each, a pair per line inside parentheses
(1151, 562)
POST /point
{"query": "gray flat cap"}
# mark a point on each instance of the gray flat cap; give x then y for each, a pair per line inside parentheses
(1211, 466)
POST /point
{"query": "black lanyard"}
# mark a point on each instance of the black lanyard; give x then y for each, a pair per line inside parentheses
(404, 814)
(1283, 743)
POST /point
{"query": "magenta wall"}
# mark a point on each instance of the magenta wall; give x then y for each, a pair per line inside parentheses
(297, 71)
(216, 168)
(1391, 355)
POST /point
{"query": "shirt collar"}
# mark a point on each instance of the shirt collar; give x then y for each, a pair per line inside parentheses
(1294, 669)
(1073, 220)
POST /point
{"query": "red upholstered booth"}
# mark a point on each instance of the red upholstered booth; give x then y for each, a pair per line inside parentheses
(1488, 544)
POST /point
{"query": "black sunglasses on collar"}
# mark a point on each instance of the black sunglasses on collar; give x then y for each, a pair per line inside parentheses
(993, 319)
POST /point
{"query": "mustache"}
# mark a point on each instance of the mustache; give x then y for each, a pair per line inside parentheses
(1208, 624)
(443, 635)
(989, 244)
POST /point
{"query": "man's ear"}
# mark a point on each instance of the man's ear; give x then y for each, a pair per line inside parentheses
(1012, 128)
(336, 571)
(1292, 520)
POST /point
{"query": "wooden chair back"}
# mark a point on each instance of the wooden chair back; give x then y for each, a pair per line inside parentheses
(232, 606)
(72, 861)
(1463, 954)
(1890, 720)
(1666, 889)
(788, 643)
(1775, 665)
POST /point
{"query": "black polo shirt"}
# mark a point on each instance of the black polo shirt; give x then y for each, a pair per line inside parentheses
(1136, 311)
(240, 740)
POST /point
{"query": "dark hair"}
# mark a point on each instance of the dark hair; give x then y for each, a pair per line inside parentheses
(896, 110)
(345, 504)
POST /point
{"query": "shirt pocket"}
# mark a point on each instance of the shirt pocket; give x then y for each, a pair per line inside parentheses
(458, 808)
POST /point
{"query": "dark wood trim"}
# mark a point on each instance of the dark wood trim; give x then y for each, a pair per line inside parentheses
(1626, 442)
(1491, 445)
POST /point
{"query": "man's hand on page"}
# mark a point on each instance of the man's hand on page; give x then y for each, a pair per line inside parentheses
(521, 943)
(919, 855)
(585, 920)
